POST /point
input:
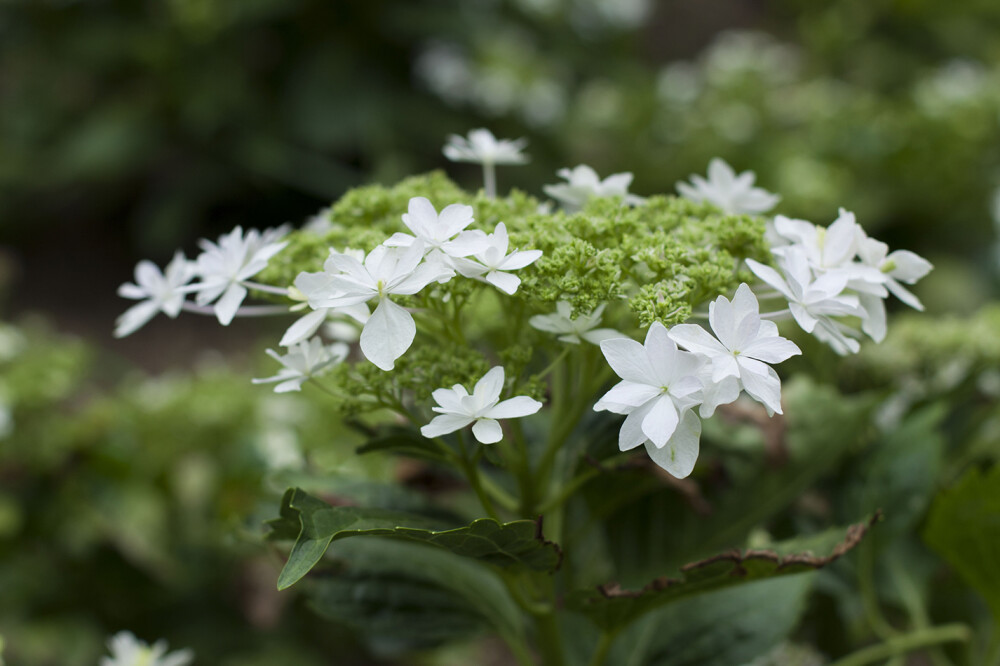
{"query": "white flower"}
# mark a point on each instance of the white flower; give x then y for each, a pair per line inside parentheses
(813, 301)
(159, 292)
(899, 266)
(444, 232)
(745, 345)
(127, 650)
(584, 183)
(574, 330)
(490, 264)
(386, 271)
(724, 189)
(482, 147)
(225, 265)
(658, 389)
(303, 361)
(457, 409)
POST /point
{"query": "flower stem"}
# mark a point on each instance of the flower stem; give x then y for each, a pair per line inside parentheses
(270, 289)
(601, 651)
(490, 179)
(777, 314)
(472, 474)
(549, 639)
(243, 311)
(899, 645)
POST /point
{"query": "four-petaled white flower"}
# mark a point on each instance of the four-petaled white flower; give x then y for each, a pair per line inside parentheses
(482, 147)
(386, 271)
(813, 301)
(490, 264)
(584, 183)
(658, 390)
(304, 361)
(224, 266)
(574, 330)
(744, 346)
(444, 231)
(457, 408)
(159, 292)
(127, 650)
(724, 189)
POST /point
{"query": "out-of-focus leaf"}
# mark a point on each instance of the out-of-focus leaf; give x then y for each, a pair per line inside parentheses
(403, 595)
(517, 544)
(403, 442)
(611, 607)
(964, 528)
(717, 629)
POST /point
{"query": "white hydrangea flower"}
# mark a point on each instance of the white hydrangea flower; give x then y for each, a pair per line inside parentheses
(742, 347)
(659, 388)
(583, 183)
(225, 266)
(385, 272)
(127, 650)
(481, 147)
(444, 232)
(457, 408)
(813, 301)
(570, 330)
(303, 361)
(159, 292)
(491, 264)
(898, 266)
(729, 192)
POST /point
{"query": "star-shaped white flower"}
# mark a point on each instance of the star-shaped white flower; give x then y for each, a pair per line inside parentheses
(570, 330)
(659, 387)
(491, 264)
(159, 292)
(584, 183)
(729, 192)
(127, 650)
(899, 266)
(385, 272)
(303, 361)
(444, 232)
(224, 266)
(482, 147)
(742, 347)
(457, 409)
(813, 301)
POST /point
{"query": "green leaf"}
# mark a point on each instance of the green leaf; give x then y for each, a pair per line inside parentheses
(964, 528)
(518, 544)
(401, 596)
(720, 628)
(612, 607)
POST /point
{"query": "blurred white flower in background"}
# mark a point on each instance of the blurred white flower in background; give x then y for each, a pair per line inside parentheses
(127, 650)
(734, 194)
(583, 183)
(304, 361)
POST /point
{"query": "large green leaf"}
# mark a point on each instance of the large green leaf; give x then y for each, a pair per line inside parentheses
(316, 524)
(400, 596)
(719, 628)
(964, 528)
(612, 607)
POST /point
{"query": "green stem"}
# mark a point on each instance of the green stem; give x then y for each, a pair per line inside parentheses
(549, 639)
(869, 598)
(472, 474)
(898, 645)
(992, 655)
(601, 651)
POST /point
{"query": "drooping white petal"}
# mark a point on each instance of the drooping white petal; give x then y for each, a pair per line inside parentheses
(631, 434)
(625, 396)
(519, 259)
(762, 384)
(715, 393)
(661, 420)
(487, 431)
(387, 334)
(679, 455)
(229, 303)
(505, 282)
(135, 318)
(304, 327)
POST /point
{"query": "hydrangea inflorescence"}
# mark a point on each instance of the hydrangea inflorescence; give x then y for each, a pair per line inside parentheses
(438, 285)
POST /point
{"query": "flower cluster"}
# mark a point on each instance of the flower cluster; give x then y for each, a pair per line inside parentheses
(127, 650)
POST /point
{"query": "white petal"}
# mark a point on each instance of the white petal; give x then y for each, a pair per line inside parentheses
(444, 424)
(627, 394)
(303, 327)
(679, 455)
(910, 267)
(466, 244)
(229, 303)
(598, 335)
(631, 434)
(505, 282)
(135, 318)
(696, 339)
(722, 319)
(514, 408)
(290, 385)
(771, 350)
(488, 388)
(421, 216)
(718, 393)
(874, 321)
(454, 218)
(661, 421)
(762, 384)
(905, 295)
(487, 431)
(519, 259)
(399, 239)
(387, 334)
(770, 276)
(629, 360)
